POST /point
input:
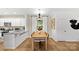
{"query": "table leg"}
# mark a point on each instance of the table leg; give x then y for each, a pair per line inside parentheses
(46, 44)
(32, 45)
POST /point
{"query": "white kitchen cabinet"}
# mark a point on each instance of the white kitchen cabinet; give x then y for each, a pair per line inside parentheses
(9, 41)
(15, 20)
(14, 39)
(0, 33)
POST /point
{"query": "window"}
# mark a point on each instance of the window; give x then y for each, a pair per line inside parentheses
(39, 24)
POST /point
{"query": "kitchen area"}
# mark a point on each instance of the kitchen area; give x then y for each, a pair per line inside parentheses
(17, 25)
(13, 30)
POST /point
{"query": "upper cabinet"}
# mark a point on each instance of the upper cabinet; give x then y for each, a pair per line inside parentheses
(14, 20)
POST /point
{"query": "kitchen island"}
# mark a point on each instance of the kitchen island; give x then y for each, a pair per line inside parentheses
(14, 38)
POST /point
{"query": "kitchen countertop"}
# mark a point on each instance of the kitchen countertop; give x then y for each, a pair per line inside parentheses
(16, 33)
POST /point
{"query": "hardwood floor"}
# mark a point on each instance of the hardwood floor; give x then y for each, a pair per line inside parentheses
(52, 46)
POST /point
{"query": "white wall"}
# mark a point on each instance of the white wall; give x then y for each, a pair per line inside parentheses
(45, 23)
(34, 24)
(62, 25)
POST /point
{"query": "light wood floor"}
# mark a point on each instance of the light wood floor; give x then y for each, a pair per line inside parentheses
(52, 46)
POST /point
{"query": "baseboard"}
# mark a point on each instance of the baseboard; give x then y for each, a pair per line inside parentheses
(69, 40)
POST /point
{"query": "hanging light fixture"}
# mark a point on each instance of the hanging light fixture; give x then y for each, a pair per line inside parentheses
(39, 12)
(39, 15)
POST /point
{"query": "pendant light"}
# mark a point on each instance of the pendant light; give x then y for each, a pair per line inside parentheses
(39, 15)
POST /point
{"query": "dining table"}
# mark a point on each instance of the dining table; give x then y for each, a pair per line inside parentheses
(39, 36)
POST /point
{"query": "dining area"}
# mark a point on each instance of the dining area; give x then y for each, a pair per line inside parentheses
(39, 34)
(39, 40)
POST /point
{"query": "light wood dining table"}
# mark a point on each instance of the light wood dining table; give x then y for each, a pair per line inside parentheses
(39, 36)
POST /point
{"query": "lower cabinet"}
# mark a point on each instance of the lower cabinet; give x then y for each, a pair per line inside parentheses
(11, 41)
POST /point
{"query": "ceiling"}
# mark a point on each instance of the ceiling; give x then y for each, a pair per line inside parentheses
(21, 11)
(33, 11)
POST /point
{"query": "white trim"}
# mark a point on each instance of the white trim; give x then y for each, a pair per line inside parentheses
(67, 40)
